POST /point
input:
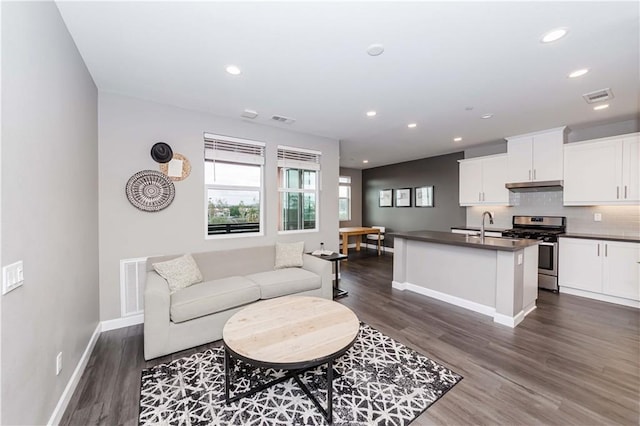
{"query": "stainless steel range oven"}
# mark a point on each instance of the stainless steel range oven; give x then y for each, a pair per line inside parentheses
(546, 229)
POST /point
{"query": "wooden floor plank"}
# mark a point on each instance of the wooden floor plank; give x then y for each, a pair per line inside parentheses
(572, 361)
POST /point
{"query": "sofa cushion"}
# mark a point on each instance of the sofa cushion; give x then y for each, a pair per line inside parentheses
(289, 255)
(212, 296)
(180, 272)
(286, 281)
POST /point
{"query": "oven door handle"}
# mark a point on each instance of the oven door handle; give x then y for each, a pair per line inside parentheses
(548, 244)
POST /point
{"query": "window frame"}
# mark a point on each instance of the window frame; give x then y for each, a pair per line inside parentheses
(312, 164)
(347, 184)
(232, 158)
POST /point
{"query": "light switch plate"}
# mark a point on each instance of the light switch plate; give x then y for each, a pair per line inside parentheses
(12, 276)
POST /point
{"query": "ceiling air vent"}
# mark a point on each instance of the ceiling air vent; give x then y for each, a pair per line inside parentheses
(249, 113)
(281, 119)
(598, 96)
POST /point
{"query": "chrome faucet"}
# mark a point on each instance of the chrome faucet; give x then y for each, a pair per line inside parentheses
(482, 224)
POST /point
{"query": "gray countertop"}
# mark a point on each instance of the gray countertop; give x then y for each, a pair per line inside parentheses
(624, 239)
(502, 244)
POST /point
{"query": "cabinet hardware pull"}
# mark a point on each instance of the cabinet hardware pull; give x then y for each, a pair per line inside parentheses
(625, 192)
(534, 174)
(529, 174)
(598, 250)
(617, 192)
(606, 250)
(479, 196)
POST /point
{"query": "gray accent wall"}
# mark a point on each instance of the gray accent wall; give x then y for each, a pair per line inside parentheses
(49, 209)
(440, 171)
(128, 129)
(356, 196)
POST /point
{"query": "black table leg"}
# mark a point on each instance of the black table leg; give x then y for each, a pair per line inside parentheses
(337, 291)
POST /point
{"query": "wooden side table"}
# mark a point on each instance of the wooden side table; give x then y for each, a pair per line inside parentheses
(335, 258)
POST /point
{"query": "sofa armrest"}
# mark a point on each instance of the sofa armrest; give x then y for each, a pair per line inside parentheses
(157, 314)
(323, 269)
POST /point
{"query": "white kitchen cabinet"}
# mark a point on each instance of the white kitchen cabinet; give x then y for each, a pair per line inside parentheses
(603, 171)
(535, 157)
(598, 268)
(482, 181)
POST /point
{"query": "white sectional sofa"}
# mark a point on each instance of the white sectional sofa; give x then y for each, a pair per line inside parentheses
(232, 279)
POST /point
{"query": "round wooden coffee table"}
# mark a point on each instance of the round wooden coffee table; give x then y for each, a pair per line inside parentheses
(293, 333)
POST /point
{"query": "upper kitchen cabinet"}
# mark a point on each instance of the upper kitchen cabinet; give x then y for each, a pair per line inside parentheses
(535, 157)
(482, 181)
(602, 171)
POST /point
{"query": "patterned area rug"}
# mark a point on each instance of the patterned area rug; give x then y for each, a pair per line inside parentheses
(381, 382)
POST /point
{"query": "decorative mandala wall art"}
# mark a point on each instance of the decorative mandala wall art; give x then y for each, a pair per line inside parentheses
(150, 191)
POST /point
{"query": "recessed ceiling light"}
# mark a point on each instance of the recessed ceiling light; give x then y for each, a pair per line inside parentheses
(579, 73)
(371, 113)
(599, 107)
(233, 70)
(411, 125)
(365, 161)
(375, 49)
(458, 139)
(485, 116)
(554, 35)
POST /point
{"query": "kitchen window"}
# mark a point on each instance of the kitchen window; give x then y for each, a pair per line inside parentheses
(233, 170)
(344, 198)
(298, 189)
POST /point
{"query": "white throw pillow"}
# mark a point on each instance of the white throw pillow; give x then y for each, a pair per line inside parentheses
(180, 272)
(289, 255)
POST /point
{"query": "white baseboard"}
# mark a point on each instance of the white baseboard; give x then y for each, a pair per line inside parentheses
(601, 297)
(122, 322)
(463, 303)
(58, 412)
(467, 304)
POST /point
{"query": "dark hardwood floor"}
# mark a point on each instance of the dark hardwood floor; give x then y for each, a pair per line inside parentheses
(571, 361)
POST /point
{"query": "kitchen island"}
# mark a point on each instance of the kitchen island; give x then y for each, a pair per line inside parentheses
(495, 276)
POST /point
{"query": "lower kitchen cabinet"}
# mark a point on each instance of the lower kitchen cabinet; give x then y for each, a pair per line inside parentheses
(601, 269)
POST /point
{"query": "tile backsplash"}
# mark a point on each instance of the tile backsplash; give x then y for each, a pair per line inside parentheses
(616, 220)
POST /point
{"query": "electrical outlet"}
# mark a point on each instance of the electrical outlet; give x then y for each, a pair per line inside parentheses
(520, 259)
(59, 363)
(597, 217)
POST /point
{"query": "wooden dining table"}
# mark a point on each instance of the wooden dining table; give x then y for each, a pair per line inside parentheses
(345, 233)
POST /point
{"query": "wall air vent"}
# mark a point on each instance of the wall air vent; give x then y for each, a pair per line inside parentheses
(285, 120)
(598, 96)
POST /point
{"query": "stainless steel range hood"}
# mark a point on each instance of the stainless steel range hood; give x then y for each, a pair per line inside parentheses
(547, 185)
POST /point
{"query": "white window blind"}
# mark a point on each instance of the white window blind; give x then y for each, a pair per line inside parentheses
(298, 158)
(225, 148)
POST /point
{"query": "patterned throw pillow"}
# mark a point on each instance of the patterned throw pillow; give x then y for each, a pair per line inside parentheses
(289, 255)
(180, 272)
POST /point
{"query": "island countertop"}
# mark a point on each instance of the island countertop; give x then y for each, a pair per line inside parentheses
(490, 243)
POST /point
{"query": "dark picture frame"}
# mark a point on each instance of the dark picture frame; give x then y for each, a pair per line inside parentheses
(385, 199)
(424, 196)
(403, 197)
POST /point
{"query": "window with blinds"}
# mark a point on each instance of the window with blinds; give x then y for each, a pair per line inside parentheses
(298, 189)
(234, 185)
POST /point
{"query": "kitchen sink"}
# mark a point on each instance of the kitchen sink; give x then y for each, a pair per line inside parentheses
(492, 240)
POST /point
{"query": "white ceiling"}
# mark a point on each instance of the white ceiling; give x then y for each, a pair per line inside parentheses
(308, 61)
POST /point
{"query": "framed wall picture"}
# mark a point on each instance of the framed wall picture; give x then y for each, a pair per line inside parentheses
(424, 196)
(403, 197)
(386, 198)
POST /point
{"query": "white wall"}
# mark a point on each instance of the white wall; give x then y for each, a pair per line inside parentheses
(49, 208)
(128, 128)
